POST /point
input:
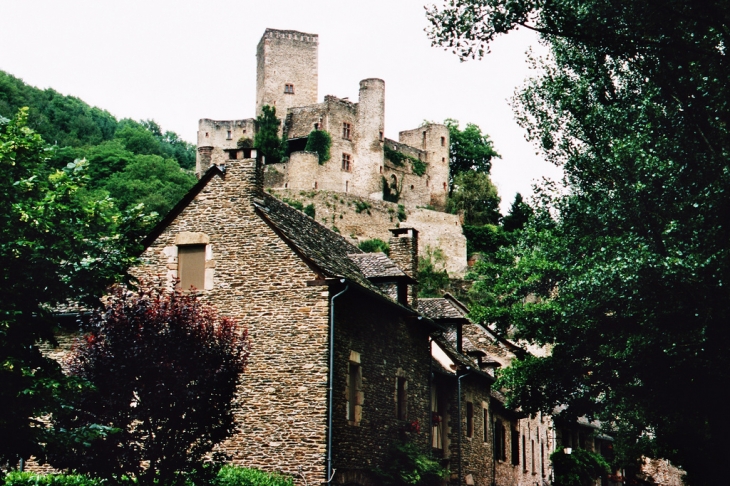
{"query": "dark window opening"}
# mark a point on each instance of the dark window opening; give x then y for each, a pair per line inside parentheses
(229, 135)
(469, 419)
(352, 390)
(346, 162)
(443, 141)
(485, 421)
(346, 130)
(500, 452)
(515, 447)
(402, 398)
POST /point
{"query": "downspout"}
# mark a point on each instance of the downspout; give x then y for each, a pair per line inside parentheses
(430, 393)
(458, 406)
(330, 381)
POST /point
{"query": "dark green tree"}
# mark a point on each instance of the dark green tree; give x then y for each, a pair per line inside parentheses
(55, 247)
(518, 215)
(267, 139)
(475, 195)
(624, 270)
(470, 150)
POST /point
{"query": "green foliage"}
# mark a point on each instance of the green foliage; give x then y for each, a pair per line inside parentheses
(164, 370)
(34, 479)
(392, 189)
(238, 476)
(361, 206)
(374, 245)
(432, 277)
(487, 239)
(244, 143)
(309, 210)
(518, 216)
(151, 180)
(408, 465)
(401, 214)
(418, 167)
(56, 246)
(266, 140)
(475, 195)
(298, 205)
(580, 468)
(319, 141)
(469, 150)
(624, 269)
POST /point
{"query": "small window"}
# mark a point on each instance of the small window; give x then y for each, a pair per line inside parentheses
(346, 130)
(228, 135)
(206, 134)
(515, 443)
(532, 454)
(347, 186)
(315, 184)
(233, 154)
(381, 169)
(443, 159)
(381, 136)
(289, 88)
(402, 398)
(443, 141)
(346, 162)
(316, 126)
(524, 455)
(191, 266)
(444, 186)
(469, 419)
(354, 383)
(412, 187)
(500, 451)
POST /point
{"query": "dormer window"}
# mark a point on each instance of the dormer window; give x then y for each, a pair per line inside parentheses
(288, 88)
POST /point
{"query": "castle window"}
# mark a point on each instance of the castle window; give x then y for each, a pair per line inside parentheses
(443, 141)
(381, 169)
(228, 135)
(381, 136)
(316, 126)
(412, 187)
(443, 159)
(191, 266)
(346, 130)
(346, 162)
(401, 405)
(469, 419)
(444, 186)
(289, 88)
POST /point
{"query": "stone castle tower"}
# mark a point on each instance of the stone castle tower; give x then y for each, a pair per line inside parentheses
(286, 70)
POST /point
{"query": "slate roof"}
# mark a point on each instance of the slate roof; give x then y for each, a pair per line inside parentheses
(374, 265)
(439, 308)
(327, 250)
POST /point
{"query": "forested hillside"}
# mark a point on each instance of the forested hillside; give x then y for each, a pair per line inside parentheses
(132, 161)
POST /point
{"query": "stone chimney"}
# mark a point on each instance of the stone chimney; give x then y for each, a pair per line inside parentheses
(404, 253)
(203, 160)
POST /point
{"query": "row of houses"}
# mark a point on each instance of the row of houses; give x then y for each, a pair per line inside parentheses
(346, 360)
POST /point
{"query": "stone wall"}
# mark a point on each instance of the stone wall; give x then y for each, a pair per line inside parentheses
(286, 57)
(433, 139)
(363, 218)
(261, 282)
(387, 346)
(217, 136)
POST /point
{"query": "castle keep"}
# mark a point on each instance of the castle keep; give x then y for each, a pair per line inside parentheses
(364, 165)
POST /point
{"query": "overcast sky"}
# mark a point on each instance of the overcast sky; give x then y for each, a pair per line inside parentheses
(182, 60)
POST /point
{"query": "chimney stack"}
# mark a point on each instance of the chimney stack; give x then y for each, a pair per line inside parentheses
(404, 253)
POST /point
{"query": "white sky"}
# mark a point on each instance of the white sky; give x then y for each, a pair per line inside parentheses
(182, 60)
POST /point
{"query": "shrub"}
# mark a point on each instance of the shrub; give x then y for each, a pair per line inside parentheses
(238, 476)
(266, 140)
(164, 369)
(407, 464)
(374, 245)
(319, 141)
(432, 278)
(309, 210)
(244, 143)
(578, 468)
(361, 206)
(294, 203)
(32, 479)
(402, 216)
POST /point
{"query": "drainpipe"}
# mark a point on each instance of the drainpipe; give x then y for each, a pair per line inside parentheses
(330, 381)
(458, 402)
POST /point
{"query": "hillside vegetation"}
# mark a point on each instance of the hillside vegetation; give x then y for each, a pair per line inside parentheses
(132, 161)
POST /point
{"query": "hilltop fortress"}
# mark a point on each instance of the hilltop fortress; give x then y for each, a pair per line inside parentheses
(370, 183)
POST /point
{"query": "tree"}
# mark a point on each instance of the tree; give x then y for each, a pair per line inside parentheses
(475, 195)
(470, 150)
(626, 266)
(267, 139)
(518, 215)
(164, 370)
(55, 247)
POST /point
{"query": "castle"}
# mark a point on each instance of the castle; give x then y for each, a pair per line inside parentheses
(364, 165)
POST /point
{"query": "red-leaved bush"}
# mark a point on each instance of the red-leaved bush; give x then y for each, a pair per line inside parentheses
(163, 370)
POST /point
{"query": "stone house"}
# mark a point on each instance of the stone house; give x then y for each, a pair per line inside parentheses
(339, 368)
